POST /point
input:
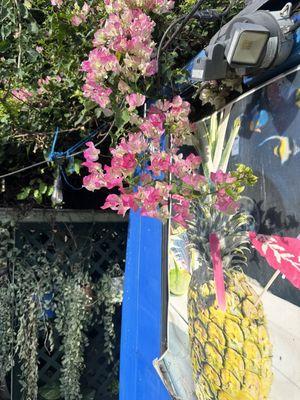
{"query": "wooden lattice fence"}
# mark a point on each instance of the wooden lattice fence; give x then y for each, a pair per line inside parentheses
(86, 238)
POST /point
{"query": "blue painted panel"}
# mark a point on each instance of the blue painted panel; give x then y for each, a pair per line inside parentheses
(141, 319)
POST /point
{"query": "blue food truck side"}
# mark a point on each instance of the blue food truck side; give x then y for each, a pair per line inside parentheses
(142, 305)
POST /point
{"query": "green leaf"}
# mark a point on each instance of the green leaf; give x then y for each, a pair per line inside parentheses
(34, 27)
(24, 193)
(50, 391)
(77, 166)
(37, 196)
(4, 45)
(27, 4)
(122, 117)
(43, 188)
(50, 190)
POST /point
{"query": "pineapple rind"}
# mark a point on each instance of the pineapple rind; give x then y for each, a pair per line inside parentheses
(231, 350)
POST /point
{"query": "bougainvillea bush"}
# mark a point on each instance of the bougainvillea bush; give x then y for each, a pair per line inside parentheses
(72, 65)
(149, 174)
(146, 166)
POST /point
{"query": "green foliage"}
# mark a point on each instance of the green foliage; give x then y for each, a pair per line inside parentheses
(110, 289)
(39, 41)
(73, 317)
(33, 278)
(41, 52)
(244, 177)
(37, 189)
(50, 391)
(6, 328)
(41, 292)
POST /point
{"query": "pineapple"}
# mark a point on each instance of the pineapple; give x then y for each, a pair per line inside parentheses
(231, 350)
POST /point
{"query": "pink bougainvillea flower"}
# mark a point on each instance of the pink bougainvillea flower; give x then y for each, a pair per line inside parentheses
(151, 68)
(125, 35)
(57, 3)
(100, 61)
(94, 181)
(77, 19)
(86, 8)
(160, 162)
(123, 87)
(92, 167)
(194, 180)
(220, 177)
(145, 179)
(98, 93)
(135, 100)
(193, 160)
(22, 94)
(81, 16)
(113, 201)
(157, 6)
(136, 143)
(181, 209)
(121, 204)
(164, 189)
(140, 153)
(113, 177)
(129, 163)
(91, 153)
(129, 201)
(124, 164)
(224, 202)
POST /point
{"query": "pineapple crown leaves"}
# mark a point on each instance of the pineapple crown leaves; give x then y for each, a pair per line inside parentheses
(230, 230)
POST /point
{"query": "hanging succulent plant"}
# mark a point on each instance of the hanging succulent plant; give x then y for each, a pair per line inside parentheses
(40, 294)
(73, 318)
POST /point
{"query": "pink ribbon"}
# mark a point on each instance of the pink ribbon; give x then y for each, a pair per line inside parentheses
(215, 252)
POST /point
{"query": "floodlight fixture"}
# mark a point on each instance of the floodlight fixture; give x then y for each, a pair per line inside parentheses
(247, 44)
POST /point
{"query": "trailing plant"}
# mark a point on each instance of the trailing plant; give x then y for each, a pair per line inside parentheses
(7, 254)
(41, 292)
(33, 277)
(73, 319)
(110, 291)
(6, 329)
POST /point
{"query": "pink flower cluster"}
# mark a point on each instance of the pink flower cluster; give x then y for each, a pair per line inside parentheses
(57, 3)
(22, 94)
(122, 54)
(223, 202)
(157, 6)
(140, 170)
(177, 119)
(80, 16)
